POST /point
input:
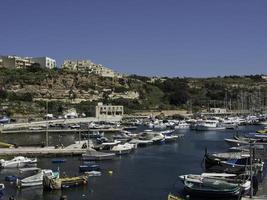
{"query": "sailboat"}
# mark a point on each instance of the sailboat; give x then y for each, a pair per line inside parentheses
(92, 154)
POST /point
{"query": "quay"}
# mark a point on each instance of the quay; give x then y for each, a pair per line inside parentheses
(60, 130)
(57, 121)
(71, 150)
(261, 193)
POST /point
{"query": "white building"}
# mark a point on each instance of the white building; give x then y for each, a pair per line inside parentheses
(103, 112)
(45, 62)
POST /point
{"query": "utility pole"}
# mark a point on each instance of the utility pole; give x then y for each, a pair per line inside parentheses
(46, 132)
(251, 175)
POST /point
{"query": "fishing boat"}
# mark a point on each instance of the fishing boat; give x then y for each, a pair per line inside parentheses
(18, 162)
(209, 187)
(231, 162)
(36, 179)
(56, 183)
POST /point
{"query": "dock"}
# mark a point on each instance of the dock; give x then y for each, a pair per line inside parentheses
(60, 130)
(71, 150)
(262, 192)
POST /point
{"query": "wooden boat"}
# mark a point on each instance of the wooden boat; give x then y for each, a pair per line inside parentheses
(173, 197)
(230, 162)
(52, 183)
(6, 145)
(36, 179)
(263, 131)
(210, 187)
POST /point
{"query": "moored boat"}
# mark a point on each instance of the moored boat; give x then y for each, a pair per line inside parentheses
(88, 168)
(56, 183)
(231, 162)
(18, 162)
(92, 155)
(121, 149)
(2, 189)
(207, 125)
(209, 187)
(36, 179)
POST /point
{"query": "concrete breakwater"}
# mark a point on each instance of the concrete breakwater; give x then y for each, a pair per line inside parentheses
(56, 121)
(71, 150)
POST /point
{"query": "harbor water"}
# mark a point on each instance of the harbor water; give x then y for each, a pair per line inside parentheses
(148, 173)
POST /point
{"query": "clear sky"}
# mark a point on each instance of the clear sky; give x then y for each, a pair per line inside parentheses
(147, 37)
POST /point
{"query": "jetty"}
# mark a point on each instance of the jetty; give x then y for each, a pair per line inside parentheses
(71, 150)
(262, 192)
(17, 131)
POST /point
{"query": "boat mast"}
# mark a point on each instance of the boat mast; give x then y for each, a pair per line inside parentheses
(251, 175)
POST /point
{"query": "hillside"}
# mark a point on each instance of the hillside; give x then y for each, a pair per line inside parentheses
(25, 91)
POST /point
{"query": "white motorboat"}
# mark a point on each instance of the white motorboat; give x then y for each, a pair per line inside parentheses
(170, 138)
(18, 162)
(182, 125)
(209, 125)
(123, 148)
(155, 137)
(92, 154)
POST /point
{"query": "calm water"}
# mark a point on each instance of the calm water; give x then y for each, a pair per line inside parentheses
(149, 173)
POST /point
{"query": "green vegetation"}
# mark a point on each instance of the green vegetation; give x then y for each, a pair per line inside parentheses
(27, 90)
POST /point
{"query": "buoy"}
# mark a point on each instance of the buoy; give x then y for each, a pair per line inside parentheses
(110, 172)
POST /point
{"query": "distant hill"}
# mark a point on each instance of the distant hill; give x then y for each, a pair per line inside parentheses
(25, 91)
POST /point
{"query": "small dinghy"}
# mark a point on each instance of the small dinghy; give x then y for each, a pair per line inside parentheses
(93, 173)
(58, 160)
(87, 168)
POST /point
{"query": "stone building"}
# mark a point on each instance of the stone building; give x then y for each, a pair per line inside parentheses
(103, 112)
(87, 66)
(16, 62)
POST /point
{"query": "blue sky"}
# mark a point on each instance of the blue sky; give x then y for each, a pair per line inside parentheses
(196, 38)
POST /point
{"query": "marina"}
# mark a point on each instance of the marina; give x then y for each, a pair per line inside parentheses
(183, 156)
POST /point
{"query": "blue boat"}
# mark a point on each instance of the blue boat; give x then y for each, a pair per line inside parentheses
(58, 160)
(2, 188)
(11, 178)
(88, 168)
